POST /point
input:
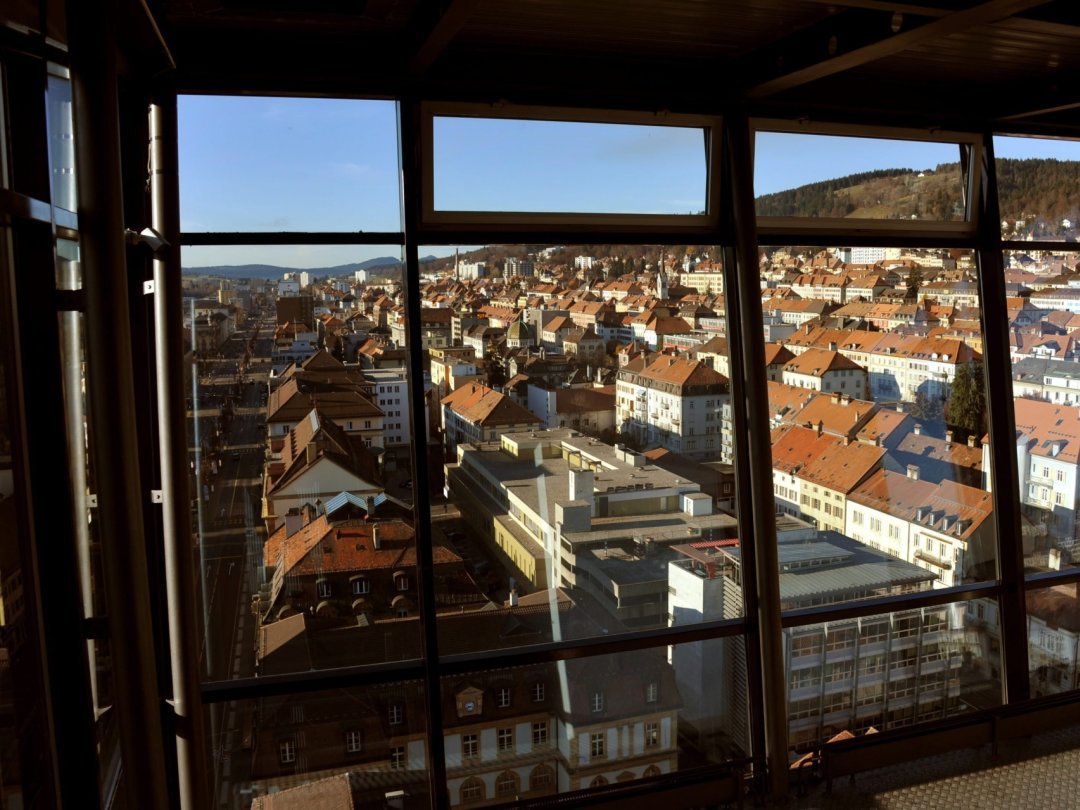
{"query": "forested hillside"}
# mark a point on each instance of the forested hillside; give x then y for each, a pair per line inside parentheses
(1039, 192)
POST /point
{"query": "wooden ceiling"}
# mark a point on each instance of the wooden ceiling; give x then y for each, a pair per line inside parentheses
(957, 63)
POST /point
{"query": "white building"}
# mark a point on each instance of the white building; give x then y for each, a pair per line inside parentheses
(673, 402)
(390, 391)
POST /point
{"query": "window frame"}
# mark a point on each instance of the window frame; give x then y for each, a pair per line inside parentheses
(769, 228)
(434, 219)
(470, 746)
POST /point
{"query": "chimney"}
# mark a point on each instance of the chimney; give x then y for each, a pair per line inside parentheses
(836, 397)
(513, 597)
(913, 472)
(582, 483)
(948, 437)
(918, 428)
(294, 522)
(312, 452)
(920, 513)
(376, 541)
(971, 440)
(820, 427)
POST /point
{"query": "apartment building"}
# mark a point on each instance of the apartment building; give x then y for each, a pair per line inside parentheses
(674, 402)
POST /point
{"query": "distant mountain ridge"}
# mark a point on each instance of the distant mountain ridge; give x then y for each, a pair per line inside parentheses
(271, 271)
(1029, 188)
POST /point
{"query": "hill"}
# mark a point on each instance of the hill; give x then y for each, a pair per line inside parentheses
(1031, 189)
(270, 271)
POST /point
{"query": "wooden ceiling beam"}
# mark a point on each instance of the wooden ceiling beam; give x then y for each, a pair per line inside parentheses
(449, 22)
(858, 36)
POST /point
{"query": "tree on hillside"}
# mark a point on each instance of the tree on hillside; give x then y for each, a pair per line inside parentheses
(966, 408)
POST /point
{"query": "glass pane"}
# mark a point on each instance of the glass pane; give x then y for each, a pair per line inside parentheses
(545, 729)
(1053, 629)
(1036, 177)
(349, 747)
(800, 175)
(288, 164)
(584, 427)
(1046, 386)
(878, 410)
(62, 147)
(298, 420)
(891, 670)
(491, 164)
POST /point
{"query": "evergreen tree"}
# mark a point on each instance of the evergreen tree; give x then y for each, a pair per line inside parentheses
(928, 409)
(966, 408)
(914, 283)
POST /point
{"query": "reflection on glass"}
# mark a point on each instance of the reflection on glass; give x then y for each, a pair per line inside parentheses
(801, 175)
(525, 732)
(61, 145)
(878, 409)
(1034, 179)
(1053, 632)
(585, 432)
(358, 747)
(892, 670)
(488, 164)
(288, 164)
(298, 455)
(1046, 386)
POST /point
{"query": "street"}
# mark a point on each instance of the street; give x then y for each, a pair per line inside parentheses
(227, 451)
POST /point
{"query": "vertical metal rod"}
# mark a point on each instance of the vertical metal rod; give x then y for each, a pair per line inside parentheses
(176, 510)
(757, 475)
(72, 362)
(409, 128)
(110, 382)
(997, 365)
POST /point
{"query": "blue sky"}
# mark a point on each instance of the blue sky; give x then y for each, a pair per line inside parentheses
(270, 164)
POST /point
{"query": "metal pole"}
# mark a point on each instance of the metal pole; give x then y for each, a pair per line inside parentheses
(175, 504)
(110, 383)
(72, 361)
(409, 123)
(758, 473)
(997, 362)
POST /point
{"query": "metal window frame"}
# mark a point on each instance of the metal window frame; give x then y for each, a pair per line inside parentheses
(739, 237)
(433, 218)
(775, 228)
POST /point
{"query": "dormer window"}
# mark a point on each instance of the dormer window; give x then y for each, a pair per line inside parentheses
(597, 701)
(324, 589)
(652, 692)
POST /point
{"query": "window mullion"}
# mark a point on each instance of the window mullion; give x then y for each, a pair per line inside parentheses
(1002, 418)
(756, 504)
(408, 129)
